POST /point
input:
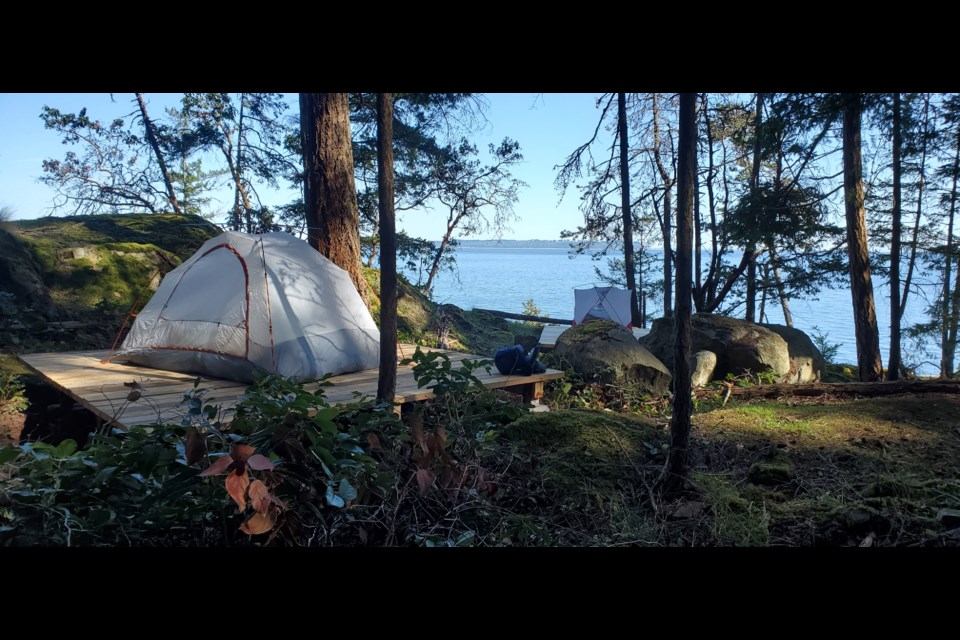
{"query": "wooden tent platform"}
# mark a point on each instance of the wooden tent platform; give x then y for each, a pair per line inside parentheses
(548, 339)
(99, 387)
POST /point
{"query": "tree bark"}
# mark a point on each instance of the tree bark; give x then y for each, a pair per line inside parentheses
(387, 380)
(676, 468)
(330, 196)
(861, 286)
(894, 363)
(629, 260)
(151, 135)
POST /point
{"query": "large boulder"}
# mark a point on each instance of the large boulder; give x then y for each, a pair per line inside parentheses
(738, 345)
(806, 361)
(607, 353)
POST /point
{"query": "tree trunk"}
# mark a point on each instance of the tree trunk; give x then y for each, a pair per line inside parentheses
(893, 366)
(151, 136)
(676, 468)
(705, 293)
(239, 172)
(946, 349)
(667, 223)
(763, 291)
(452, 222)
(781, 290)
(330, 197)
(750, 250)
(861, 286)
(864, 389)
(628, 257)
(667, 257)
(387, 380)
(915, 242)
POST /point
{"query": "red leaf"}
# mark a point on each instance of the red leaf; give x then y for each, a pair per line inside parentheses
(257, 523)
(260, 463)
(425, 479)
(218, 467)
(373, 440)
(259, 496)
(194, 448)
(240, 452)
(237, 488)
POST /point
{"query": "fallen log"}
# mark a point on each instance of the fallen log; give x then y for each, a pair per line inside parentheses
(520, 316)
(864, 389)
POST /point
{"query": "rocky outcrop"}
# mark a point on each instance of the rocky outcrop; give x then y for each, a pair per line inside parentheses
(739, 345)
(806, 361)
(605, 352)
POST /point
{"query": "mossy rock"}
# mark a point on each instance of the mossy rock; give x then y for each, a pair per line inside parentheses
(775, 470)
(739, 345)
(607, 353)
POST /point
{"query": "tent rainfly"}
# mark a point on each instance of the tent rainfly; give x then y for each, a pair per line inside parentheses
(603, 303)
(245, 302)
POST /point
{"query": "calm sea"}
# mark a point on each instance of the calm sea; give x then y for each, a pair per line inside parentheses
(504, 278)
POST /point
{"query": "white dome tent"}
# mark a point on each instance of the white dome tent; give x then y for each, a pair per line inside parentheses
(604, 303)
(247, 302)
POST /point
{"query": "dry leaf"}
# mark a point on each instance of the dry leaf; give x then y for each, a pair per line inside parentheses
(240, 452)
(133, 385)
(868, 541)
(259, 496)
(373, 440)
(425, 479)
(194, 448)
(416, 426)
(237, 488)
(219, 466)
(257, 523)
(260, 463)
(133, 396)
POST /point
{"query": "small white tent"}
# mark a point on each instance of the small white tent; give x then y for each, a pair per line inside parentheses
(604, 303)
(244, 302)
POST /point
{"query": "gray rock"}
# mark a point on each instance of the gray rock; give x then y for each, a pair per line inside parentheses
(703, 365)
(738, 345)
(607, 353)
(806, 361)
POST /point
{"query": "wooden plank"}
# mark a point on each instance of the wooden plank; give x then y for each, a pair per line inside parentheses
(97, 385)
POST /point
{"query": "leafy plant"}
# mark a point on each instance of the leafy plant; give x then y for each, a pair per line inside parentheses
(293, 464)
(531, 309)
(828, 349)
(12, 398)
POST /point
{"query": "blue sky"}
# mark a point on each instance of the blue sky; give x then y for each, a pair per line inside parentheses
(547, 126)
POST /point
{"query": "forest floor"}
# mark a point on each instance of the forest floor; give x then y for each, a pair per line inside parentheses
(821, 472)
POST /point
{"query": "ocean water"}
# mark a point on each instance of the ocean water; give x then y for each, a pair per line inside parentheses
(503, 278)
